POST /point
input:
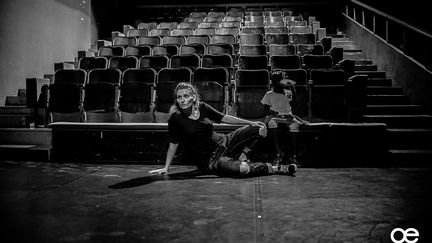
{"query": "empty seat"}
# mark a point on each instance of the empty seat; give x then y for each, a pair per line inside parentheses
(165, 50)
(284, 62)
(198, 39)
(89, 63)
(253, 30)
(173, 40)
(253, 62)
(280, 39)
(147, 25)
(213, 86)
(204, 31)
(160, 32)
(277, 49)
(138, 51)
(223, 38)
(167, 80)
(191, 61)
(301, 38)
(167, 25)
(253, 24)
(124, 41)
(300, 30)
(198, 14)
(314, 49)
(208, 25)
(216, 14)
(327, 95)
(182, 32)
(220, 48)
(137, 32)
(301, 105)
(236, 24)
(188, 25)
(235, 31)
(219, 60)
(253, 50)
(109, 51)
(66, 94)
(101, 95)
(149, 40)
(317, 61)
(276, 30)
(136, 95)
(199, 49)
(250, 87)
(155, 62)
(123, 63)
(251, 39)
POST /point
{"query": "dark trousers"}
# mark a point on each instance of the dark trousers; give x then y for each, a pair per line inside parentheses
(224, 161)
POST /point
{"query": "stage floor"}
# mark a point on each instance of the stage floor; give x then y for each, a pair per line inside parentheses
(53, 202)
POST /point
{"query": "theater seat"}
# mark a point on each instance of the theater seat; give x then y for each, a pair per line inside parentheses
(213, 85)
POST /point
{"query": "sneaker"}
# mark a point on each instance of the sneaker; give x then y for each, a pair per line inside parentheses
(277, 161)
(289, 169)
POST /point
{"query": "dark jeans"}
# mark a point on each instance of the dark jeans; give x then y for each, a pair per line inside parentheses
(224, 161)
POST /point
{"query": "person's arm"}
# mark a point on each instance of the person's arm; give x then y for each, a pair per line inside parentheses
(172, 149)
(236, 120)
(269, 111)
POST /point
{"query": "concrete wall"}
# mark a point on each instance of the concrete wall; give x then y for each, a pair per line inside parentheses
(415, 80)
(35, 34)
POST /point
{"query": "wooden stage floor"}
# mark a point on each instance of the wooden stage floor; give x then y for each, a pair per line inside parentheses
(56, 202)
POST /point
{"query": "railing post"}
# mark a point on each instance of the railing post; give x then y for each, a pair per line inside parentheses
(403, 46)
(387, 30)
(354, 14)
(347, 10)
(363, 17)
(373, 24)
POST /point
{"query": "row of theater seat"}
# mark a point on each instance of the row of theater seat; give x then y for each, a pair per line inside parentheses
(145, 95)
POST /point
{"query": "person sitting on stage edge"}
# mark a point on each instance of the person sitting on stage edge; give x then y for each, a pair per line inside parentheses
(190, 124)
(277, 104)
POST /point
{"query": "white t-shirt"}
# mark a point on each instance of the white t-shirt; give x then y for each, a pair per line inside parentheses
(278, 102)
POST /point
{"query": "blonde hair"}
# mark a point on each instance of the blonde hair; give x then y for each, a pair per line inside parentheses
(175, 108)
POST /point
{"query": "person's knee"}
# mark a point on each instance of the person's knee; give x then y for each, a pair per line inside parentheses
(294, 127)
(272, 124)
(244, 168)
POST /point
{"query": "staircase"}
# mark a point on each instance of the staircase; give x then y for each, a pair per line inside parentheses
(409, 127)
(15, 113)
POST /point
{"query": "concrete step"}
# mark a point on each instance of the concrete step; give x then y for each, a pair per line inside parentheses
(365, 67)
(372, 74)
(15, 120)
(401, 121)
(363, 62)
(384, 90)
(354, 55)
(342, 41)
(410, 158)
(379, 82)
(410, 138)
(388, 99)
(16, 101)
(16, 110)
(394, 110)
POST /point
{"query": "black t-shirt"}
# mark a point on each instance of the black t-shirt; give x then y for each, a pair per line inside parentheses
(196, 136)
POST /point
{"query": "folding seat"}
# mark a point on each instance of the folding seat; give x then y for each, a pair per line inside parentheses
(208, 25)
(229, 24)
(274, 24)
(188, 25)
(218, 60)
(223, 38)
(214, 14)
(250, 87)
(276, 30)
(296, 23)
(198, 39)
(165, 50)
(66, 95)
(317, 61)
(273, 13)
(300, 38)
(274, 19)
(275, 49)
(232, 14)
(327, 95)
(147, 25)
(199, 49)
(315, 26)
(220, 48)
(292, 18)
(336, 53)
(137, 95)
(213, 20)
(101, 95)
(300, 30)
(110, 51)
(89, 63)
(137, 32)
(194, 20)
(326, 42)
(123, 63)
(280, 39)
(235, 31)
(300, 105)
(155, 62)
(320, 34)
(253, 50)
(286, 12)
(314, 49)
(160, 32)
(124, 41)
(251, 39)
(253, 62)
(167, 80)
(149, 40)
(191, 61)
(182, 32)
(138, 51)
(213, 84)
(204, 31)
(173, 40)
(252, 30)
(311, 19)
(233, 19)
(285, 62)
(167, 25)
(254, 19)
(198, 14)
